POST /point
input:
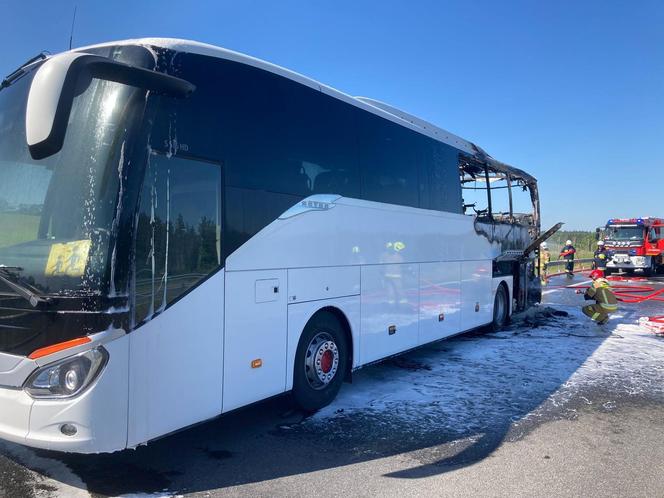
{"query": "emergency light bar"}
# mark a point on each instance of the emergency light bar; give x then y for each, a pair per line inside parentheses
(634, 221)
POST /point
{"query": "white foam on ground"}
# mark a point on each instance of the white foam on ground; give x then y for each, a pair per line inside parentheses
(466, 384)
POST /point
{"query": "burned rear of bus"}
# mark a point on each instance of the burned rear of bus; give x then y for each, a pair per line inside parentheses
(505, 203)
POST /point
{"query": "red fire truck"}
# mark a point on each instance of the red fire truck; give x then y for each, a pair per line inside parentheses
(635, 244)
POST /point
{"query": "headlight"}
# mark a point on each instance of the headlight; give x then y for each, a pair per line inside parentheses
(68, 377)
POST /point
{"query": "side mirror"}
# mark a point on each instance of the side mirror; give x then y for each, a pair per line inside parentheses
(66, 75)
(598, 232)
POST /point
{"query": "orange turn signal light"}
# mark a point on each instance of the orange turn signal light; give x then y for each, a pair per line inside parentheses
(58, 347)
(257, 363)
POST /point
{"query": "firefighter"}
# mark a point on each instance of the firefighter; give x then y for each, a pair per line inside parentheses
(545, 258)
(567, 254)
(601, 257)
(605, 301)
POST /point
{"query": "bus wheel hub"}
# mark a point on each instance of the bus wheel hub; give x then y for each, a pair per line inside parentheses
(322, 360)
(326, 361)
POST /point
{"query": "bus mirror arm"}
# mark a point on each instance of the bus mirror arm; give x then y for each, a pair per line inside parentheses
(64, 76)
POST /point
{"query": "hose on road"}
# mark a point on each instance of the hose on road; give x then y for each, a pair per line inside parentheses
(629, 294)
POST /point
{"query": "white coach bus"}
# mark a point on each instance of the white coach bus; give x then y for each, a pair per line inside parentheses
(185, 230)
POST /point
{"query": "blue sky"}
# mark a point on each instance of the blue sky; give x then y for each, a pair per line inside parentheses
(571, 91)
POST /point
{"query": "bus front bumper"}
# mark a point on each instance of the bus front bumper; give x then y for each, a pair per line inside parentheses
(19, 419)
(14, 415)
(99, 414)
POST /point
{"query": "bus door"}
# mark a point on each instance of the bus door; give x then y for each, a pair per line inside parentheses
(176, 352)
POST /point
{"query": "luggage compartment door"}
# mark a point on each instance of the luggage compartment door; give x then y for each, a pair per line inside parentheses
(255, 336)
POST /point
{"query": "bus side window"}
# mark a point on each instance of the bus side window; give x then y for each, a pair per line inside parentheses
(388, 162)
(178, 241)
(439, 179)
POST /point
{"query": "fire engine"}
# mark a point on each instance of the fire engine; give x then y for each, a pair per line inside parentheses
(635, 244)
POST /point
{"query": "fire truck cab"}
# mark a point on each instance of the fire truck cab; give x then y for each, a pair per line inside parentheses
(635, 244)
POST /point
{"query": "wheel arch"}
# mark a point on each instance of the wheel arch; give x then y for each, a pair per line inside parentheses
(507, 283)
(346, 311)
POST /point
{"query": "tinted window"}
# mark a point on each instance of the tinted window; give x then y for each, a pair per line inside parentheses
(441, 188)
(271, 133)
(248, 211)
(389, 159)
(178, 239)
(279, 141)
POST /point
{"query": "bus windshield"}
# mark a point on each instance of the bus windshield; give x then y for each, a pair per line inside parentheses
(624, 233)
(56, 214)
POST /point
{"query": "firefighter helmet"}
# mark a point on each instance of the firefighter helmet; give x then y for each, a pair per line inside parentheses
(600, 242)
(595, 274)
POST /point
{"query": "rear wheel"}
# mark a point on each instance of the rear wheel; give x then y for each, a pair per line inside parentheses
(321, 361)
(500, 309)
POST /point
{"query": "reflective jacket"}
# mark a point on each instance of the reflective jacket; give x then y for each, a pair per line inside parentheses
(545, 258)
(601, 257)
(568, 252)
(600, 291)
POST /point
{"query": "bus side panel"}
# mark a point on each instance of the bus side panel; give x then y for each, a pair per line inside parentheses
(440, 300)
(476, 295)
(357, 232)
(390, 310)
(313, 284)
(176, 364)
(255, 336)
(299, 314)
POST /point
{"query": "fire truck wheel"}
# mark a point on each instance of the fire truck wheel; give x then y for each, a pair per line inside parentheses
(652, 269)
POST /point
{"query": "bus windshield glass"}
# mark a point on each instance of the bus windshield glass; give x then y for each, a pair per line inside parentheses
(56, 214)
(624, 233)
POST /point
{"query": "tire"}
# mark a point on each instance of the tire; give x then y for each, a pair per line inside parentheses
(321, 361)
(501, 309)
(652, 270)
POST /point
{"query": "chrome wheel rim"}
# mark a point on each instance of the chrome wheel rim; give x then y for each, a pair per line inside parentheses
(321, 361)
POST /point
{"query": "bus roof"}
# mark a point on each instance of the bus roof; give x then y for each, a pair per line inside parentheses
(374, 106)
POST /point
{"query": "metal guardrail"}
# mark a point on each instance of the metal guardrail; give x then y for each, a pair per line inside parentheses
(576, 261)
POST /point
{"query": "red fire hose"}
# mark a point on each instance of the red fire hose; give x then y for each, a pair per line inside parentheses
(631, 294)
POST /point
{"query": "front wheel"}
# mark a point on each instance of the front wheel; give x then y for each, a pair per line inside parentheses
(500, 309)
(652, 269)
(320, 362)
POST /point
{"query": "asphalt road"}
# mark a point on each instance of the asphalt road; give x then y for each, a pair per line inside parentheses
(552, 406)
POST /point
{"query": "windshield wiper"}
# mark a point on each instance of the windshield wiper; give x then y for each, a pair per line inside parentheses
(22, 290)
(11, 78)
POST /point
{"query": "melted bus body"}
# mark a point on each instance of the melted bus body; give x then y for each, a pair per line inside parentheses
(185, 230)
